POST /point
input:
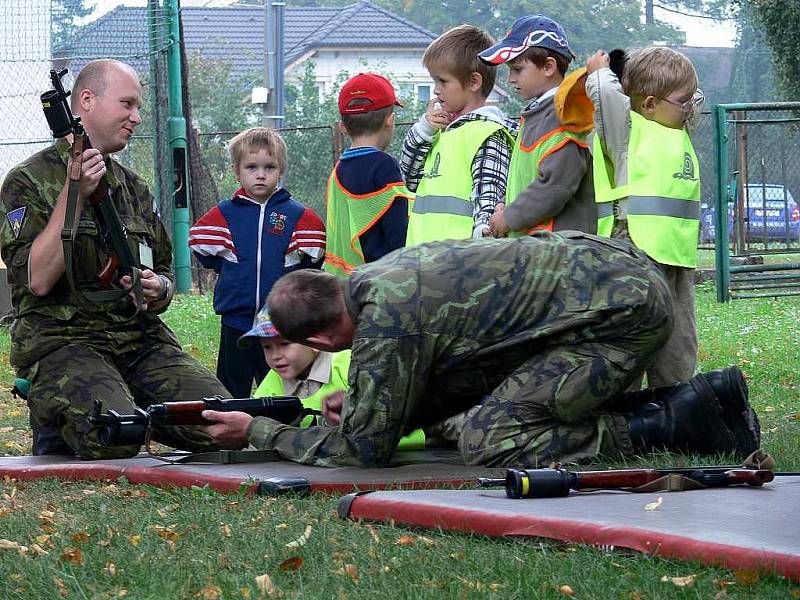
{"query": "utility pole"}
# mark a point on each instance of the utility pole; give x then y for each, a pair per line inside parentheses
(270, 96)
(649, 17)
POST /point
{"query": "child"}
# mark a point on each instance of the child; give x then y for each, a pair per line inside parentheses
(367, 200)
(297, 370)
(251, 240)
(456, 156)
(550, 178)
(647, 179)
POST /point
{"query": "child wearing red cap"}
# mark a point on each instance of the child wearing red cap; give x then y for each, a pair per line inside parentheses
(367, 202)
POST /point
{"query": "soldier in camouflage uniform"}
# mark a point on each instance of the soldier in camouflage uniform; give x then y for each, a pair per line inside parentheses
(74, 356)
(544, 333)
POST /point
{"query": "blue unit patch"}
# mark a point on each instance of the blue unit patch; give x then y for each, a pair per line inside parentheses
(15, 219)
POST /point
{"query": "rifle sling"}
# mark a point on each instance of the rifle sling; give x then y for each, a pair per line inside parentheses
(69, 232)
(672, 482)
(223, 457)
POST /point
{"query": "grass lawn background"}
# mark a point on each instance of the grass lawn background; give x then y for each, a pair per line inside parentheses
(114, 540)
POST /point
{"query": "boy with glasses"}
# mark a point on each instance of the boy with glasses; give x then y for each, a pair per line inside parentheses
(647, 181)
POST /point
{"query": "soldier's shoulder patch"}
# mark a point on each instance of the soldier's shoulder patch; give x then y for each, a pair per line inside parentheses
(15, 218)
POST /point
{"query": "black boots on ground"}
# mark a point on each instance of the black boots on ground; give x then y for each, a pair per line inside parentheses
(709, 414)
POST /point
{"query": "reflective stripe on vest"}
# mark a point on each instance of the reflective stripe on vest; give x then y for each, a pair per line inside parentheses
(525, 162)
(349, 217)
(663, 192)
(442, 209)
(446, 205)
(272, 385)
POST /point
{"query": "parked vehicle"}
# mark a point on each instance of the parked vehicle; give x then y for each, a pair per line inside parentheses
(770, 213)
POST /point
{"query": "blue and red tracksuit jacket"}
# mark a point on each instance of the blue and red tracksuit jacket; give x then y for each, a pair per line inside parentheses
(251, 245)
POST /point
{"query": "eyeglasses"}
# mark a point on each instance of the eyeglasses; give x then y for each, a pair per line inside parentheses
(690, 104)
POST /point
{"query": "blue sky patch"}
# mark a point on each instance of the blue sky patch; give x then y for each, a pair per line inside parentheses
(15, 219)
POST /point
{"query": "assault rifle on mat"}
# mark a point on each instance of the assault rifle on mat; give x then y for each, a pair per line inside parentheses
(554, 483)
(133, 430)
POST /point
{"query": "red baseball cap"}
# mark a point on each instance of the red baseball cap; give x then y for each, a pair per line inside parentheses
(366, 92)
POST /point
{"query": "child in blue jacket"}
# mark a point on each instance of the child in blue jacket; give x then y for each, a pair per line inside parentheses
(251, 240)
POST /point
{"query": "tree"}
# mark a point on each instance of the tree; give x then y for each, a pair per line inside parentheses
(64, 13)
(590, 24)
(780, 22)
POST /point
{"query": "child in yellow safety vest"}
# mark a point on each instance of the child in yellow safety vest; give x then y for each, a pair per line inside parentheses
(366, 198)
(311, 375)
(647, 180)
(456, 156)
(549, 182)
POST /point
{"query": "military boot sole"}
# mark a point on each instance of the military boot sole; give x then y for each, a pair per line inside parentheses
(730, 388)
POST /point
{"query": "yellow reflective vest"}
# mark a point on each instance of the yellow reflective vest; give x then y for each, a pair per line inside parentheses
(525, 161)
(442, 209)
(663, 192)
(272, 385)
(349, 217)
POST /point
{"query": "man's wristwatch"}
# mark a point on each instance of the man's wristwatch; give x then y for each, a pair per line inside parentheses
(165, 286)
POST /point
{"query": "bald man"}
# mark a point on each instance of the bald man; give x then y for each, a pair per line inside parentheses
(75, 353)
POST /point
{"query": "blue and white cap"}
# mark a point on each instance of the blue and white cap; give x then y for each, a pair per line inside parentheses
(528, 32)
(262, 328)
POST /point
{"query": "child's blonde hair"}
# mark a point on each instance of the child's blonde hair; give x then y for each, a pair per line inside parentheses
(656, 71)
(255, 139)
(456, 51)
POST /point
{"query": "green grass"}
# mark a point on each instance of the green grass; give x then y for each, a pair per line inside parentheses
(111, 540)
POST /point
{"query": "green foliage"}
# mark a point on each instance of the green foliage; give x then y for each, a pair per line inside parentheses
(590, 24)
(780, 22)
(64, 14)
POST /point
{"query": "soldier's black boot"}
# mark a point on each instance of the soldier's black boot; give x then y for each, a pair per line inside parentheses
(48, 440)
(686, 416)
(730, 388)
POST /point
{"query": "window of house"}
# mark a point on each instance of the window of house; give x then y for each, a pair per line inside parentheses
(423, 93)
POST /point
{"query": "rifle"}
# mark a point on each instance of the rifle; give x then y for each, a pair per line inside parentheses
(112, 234)
(134, 429)
(555, 483)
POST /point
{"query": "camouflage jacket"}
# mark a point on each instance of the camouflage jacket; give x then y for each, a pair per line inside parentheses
(43, 323)
(440, 325)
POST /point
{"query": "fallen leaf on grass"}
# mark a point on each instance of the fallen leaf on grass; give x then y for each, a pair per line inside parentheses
(9, 545)
(225, 530)
(352, 572)
(374, 534)
(680, 581)
(110, 568)
(62, 589)
(654, 505)
(80, 538)
(301, 541)
(73, 556)
(426, 540)
(209, 592)
(4, 512)
(566, 590)
(291, 564)
(282, 526)
(265, 585)
(405, 540)
(6, 429)
(166, 533)
(747, 578)
(37, 550)
(134, 539)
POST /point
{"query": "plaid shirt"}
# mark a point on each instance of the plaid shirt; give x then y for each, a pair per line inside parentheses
(489, 167)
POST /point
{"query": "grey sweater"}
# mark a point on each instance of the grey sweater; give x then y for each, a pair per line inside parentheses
(563, 188)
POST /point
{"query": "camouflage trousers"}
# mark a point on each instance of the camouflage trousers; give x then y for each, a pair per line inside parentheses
(66, 383)
(557, 406)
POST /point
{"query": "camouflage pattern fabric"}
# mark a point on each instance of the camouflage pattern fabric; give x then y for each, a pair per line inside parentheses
(66, 383)
(74, 355)
(44, 323)
(542, 331)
